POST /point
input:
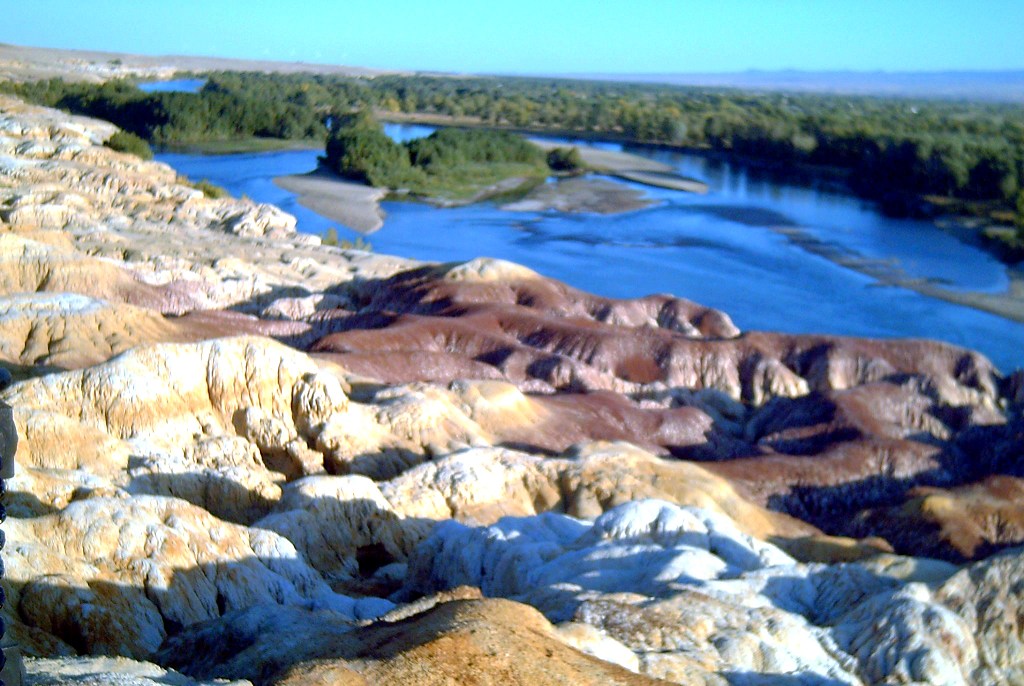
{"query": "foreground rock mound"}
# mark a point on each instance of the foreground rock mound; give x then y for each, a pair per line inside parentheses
(823, 428)
(461, 641)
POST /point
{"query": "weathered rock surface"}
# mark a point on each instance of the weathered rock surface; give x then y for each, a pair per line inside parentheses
(245, 455)
(68, 331)
(680, 587)
(78, 218)
(112, 576)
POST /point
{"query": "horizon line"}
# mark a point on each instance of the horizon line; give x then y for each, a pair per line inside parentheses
(553, 74)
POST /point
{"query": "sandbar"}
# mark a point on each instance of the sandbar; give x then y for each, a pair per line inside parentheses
(669, 180)
(581, 194)
(355, 205)
(1009, 304)
(631, 167)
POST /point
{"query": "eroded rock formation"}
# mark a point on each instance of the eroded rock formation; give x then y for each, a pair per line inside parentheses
(245, 455)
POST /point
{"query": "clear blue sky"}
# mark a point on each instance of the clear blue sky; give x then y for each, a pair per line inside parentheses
(545, 36)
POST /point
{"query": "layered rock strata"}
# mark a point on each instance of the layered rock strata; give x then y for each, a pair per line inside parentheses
(243, 455)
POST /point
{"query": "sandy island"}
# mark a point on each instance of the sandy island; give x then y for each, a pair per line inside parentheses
(1009, 304)
(357, 206)
(631, 167)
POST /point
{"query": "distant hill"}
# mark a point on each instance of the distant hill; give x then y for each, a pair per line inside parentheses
(995, 86)
(23, 63)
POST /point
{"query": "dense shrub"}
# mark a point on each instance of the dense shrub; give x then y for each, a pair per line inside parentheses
(565, 160)
(210, 190)
(358, 149)
(454, 147)
(123, 141)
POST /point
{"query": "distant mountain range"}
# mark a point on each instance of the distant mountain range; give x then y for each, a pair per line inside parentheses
(994, 86)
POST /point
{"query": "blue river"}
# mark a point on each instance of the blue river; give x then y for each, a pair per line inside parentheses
(173, 86)
(732, 248)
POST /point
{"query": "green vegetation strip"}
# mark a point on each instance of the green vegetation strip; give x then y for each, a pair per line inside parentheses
(888, 149)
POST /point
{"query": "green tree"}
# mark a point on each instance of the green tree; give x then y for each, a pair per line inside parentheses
(358, 149)
(565, 160)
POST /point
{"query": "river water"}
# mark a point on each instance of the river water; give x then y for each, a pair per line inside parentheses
(753, 246)
(173, 86)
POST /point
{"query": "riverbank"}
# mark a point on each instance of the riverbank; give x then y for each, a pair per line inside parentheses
(244, 145)
(980, 226)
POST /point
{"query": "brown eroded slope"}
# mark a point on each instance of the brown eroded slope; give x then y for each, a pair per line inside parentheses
(821, 427)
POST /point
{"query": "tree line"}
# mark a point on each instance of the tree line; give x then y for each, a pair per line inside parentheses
(884, 146)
